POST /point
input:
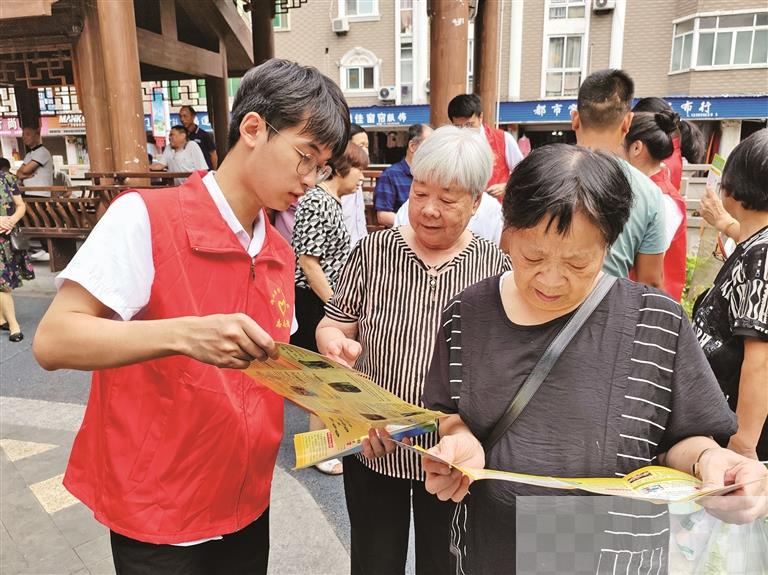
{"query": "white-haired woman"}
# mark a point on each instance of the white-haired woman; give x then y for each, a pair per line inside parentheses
(383, 318)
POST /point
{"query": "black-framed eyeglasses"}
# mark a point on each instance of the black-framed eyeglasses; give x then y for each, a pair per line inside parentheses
(308, 163)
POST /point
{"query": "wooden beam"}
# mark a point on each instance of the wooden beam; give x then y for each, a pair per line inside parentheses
(168, 19)
(164, 52)
(486, 57)
(449, 21)
(10, 9)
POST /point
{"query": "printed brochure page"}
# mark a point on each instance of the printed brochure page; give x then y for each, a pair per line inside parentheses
(347, 402)
(653, 483)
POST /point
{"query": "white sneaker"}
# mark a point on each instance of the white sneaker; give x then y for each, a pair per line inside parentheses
(40, 256)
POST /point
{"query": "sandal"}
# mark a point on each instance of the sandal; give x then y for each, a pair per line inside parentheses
(330, 467)
(5, 326)
(16, 337)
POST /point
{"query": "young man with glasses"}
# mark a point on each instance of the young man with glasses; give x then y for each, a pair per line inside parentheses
(174, 292)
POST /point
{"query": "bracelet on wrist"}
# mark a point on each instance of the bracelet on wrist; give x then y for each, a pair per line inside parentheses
(695, 466)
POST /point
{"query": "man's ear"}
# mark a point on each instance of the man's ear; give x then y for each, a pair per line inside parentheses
(575, 120)
(626, 123)
(252, 127)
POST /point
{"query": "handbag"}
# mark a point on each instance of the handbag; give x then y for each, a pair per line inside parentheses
(19, 242)
(547, 360)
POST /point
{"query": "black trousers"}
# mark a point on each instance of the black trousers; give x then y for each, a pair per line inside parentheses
(244, 552)
(310, 309)
(379, 509)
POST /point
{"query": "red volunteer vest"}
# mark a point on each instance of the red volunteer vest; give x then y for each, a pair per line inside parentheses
(501, 170)
(674, 257)
(173, 450)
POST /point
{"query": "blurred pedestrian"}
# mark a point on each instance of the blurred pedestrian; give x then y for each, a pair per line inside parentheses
(647, 143)
(15, 265)
(731, 320)
(321, 244)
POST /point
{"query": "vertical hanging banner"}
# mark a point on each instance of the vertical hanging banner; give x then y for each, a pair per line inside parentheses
(161, 116)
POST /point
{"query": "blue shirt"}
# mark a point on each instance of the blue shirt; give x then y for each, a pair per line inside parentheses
(393, 187)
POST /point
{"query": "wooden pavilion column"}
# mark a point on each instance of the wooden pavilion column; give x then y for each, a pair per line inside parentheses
(122, 78)
(28, 105)
(486, 57)
(217, 94)
(91, 91)
(261, 31)
(447, 55)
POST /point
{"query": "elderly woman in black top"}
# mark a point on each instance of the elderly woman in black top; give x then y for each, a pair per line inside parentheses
(383, 318)
(631, 389)
(731, 320)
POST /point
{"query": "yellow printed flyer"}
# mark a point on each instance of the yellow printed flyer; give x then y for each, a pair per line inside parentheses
(347, 402)
(654, 483)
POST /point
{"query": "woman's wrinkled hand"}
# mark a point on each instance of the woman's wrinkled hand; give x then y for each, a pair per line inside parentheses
(343, 350)
(721, 467)
(713, 212)
(377, 443)
(447, 482)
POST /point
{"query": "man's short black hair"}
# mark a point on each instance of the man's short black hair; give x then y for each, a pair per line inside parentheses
(604, 98)
(745, 176)
(190, 108)
(286, 94)
(558, 180)
(416, 132)
(355, 129)
(465, 106)
(5, 164)
(181, 128)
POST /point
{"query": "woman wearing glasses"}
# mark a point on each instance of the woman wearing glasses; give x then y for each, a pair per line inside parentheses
(731, 320)
(321, 243)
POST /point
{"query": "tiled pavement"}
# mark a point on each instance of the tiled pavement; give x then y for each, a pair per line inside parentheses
(44, 530)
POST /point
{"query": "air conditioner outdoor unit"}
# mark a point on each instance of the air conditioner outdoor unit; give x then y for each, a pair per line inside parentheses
(602, 5)
(388, 93)
(426, 85)
(340, 25)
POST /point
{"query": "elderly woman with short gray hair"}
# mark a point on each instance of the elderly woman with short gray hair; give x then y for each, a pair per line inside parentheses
(383, 318)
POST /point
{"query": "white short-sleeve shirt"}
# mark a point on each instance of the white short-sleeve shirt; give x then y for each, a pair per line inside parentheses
(187, 159)
(124, 283)
(43, 176)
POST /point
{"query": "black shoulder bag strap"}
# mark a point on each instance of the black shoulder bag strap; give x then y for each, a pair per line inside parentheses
(547, 360)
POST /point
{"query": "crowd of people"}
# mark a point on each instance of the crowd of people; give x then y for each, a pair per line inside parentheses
(487, 259)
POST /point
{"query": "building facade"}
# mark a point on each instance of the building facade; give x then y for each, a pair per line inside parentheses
(709, 58)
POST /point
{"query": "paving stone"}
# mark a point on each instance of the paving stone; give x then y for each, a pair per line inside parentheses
(30, 527)
(43, 466)
(103, 567)
(16, 449)
(60, 563)
(11, 559)
(52, 494)
(77, 524)
(95, 550)
(12, 480)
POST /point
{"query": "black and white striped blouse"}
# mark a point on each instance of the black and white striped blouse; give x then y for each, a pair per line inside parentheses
(397, 301)
(631, 384)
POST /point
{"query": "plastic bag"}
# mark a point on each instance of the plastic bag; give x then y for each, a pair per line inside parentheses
(701, 544)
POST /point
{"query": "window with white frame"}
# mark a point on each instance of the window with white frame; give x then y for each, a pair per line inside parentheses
(564, 9)
(281, 22)
(359, 71)
(563, 74)
(725, 40)
(361, 7)
(406, 73)
(406, 17)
